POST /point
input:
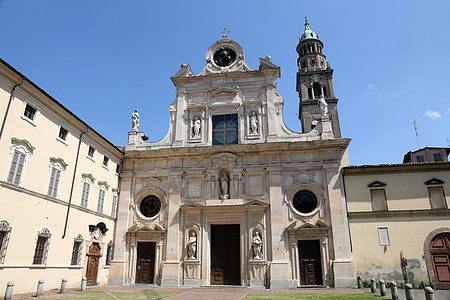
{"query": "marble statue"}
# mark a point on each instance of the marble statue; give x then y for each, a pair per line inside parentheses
(192, 246)
(253, 123)
(323, 106)
(135, 121)
(196, 127)
(257, 246)
(224, 186)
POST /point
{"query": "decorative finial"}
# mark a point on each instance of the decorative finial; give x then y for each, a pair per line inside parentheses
(306, 23)
(225, 33)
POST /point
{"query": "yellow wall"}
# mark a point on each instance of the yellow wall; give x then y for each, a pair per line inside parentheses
(28, 209)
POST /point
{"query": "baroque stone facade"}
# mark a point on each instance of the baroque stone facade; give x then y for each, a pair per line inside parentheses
(231, 195)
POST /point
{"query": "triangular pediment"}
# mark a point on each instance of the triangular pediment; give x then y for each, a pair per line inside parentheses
(191, 205)
(224, 92)
(376, 183)
(307, 226)
(434, 181)
(322, 224)
(256, 203)
(145, 228)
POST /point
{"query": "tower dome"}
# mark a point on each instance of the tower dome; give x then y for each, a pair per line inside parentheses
(308, 33)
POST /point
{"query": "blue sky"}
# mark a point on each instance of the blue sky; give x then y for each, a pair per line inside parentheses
(102, 59)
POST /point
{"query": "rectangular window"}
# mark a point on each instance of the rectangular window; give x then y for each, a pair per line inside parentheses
(54, 183)
(5, 231)
(420, 158)
(437, 198)
(109, 252)
(105, 161)
(378, 199)
(437, 157)
(62, 133)
(85, 194)
(39, 251)
(30, 112)
(15, 171)
(225, 129)
(117, 168)
(383, 236)
(101, 200)
(75, 253)
(113, 207)
(91, 151)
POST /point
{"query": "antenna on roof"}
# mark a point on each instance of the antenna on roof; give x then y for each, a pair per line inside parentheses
(417, 132)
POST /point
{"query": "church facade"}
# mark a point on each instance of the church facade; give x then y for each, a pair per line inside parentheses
(231, 196)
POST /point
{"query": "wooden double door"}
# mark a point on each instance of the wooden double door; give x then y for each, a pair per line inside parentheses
(310, 262)
(225, 255)
(440, 257)
(145, 264)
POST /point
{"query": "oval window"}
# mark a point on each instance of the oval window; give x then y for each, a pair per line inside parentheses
(150, 206)
(304, 201)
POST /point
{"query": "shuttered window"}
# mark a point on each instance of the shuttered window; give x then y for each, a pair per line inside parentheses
(101, 200)
(15, 171)
(85, 194)
(54, 183)
(113, 207)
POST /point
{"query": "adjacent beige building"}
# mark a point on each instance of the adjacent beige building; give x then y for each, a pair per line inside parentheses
(400, 221)
(57, 177)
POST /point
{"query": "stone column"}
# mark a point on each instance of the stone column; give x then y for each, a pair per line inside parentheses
(118, 269)
(343, 266)
(280, 271)
(171, 263)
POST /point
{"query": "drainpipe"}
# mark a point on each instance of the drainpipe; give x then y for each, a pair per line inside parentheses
(73, 183)
(346, 208)
(7, 108)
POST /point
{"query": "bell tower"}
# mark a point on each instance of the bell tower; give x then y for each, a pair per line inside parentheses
(314, 81)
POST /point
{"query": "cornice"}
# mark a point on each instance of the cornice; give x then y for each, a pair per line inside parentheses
(398, 214)
(397, 168)
(300, 146)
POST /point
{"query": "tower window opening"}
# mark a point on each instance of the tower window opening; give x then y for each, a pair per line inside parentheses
(317, 90)
(325, 94)
(310, 95)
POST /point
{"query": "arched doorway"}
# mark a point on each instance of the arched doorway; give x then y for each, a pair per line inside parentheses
(437, 255)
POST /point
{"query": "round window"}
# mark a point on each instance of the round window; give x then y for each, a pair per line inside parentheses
(150, 206)
(304, 201)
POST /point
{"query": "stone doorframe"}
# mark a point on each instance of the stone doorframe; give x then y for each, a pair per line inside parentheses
(426, 251)
(294, 237)
(221, 218)
(144, 236)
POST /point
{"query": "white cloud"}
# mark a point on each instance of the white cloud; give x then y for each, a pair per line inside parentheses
(370, 85)
(432, 114)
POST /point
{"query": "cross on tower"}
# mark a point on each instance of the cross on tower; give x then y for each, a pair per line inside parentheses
(225, 33)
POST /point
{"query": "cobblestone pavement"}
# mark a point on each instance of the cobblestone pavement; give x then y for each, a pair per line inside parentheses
(222, 293)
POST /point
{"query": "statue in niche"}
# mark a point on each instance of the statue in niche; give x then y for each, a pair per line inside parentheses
(224, 186)
(196, 128)
(253, 123)
(257, 246)
(192, 246)
(323, 106)
(135, 121)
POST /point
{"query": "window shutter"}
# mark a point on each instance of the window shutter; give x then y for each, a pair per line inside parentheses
(51, 183)
(56, 183)
(19, 168)
(12, 170)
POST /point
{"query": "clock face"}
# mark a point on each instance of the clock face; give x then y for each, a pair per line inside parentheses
(224, 57)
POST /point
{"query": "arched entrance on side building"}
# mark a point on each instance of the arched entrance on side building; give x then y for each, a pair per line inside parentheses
(437, 256)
